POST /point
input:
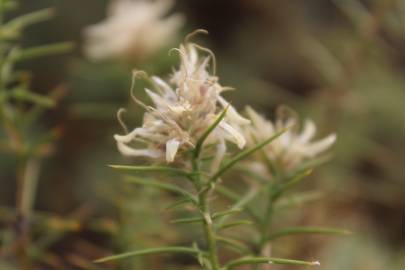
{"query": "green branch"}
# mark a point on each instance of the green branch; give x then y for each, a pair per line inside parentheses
(243, 155)
(267, 260)
(182, 250)
(307, 230)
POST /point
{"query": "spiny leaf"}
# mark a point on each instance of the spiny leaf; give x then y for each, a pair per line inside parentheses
(178, 204)
(267, 260)
(152, 169)
(240, 203)
(293, 181)
(226, 213)
(252, 175)
(187, 220)
(299, 199)
(231, 195)
(239, 246)
(243, 155)
(40, 51)
(17, 24)
(7, 5)
(315, 162)
(25, 95)
(234, 224)
(202, 139)
(183, 250)
(160, 185)
(308, 230)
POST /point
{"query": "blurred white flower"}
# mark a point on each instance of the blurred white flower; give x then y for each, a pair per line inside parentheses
(183, 110)
(134, 29)
(292, 147)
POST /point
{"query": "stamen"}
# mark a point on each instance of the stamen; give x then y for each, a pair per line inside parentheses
(121, 121)
(211, 53)
(135, 74)
(194, 33)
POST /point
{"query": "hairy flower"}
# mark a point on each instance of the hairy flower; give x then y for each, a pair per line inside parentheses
(182, 111)
(134, 28)
(292, 147)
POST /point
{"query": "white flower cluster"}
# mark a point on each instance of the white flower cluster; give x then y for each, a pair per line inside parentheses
(292, 147)
(184, 108)
(134, 29)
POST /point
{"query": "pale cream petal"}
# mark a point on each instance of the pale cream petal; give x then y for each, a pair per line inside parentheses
(317, 147)
(232, 114)
(132, 28)
(233, 135)
(128, 137)
(172, 146)
(219, 156)
(260, 123)
(132, 152)
(157, 100)
(308, 131)
(160, 7)
(167, 90)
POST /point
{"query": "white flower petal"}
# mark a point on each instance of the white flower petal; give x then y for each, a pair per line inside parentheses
(159, 101)
(233, 135)
(232, 114)
(132, 152)
(260, 123)
(132, 28)
(128, 137)
(308, 131)
(320, 146)
(167, 90)
(172, 146)
(219, 156)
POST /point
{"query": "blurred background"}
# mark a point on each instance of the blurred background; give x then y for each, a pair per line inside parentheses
(339, 62)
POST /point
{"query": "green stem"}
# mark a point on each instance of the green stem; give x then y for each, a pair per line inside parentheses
(264, 225)
(27, 186)
(30, 186)
(203, 206)
(266, 221)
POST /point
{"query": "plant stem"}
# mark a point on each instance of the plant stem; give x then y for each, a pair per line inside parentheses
(267, 218)
(203, 206)
(26, 190)
(209, 233)
(264, 226)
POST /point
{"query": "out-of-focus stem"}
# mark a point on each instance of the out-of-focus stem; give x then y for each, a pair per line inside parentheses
(30, 186)
(27, 180)
(264, 227)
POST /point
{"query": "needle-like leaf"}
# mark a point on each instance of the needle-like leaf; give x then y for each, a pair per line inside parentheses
(202, 139)
(226, 213)
(243, 155)
(267, 260)
(178, 204)
(17, 24)
(234, 224)
(187, 220)
(40, 51)
(308, 230)
(235, 244)
(293, 181)
(298, 199)
(183, 250)
(231, 195)
(160, 185)
(140, 169)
